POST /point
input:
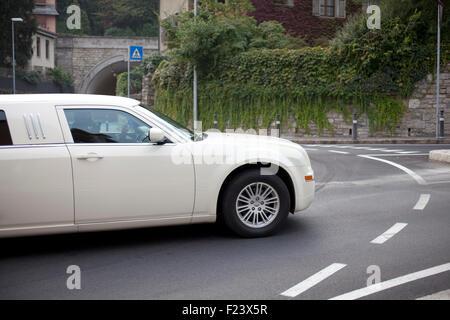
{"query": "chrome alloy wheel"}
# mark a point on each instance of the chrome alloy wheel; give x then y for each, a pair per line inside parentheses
(257, 205)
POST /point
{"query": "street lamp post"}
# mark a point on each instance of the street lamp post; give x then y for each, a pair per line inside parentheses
(439, 17)
(195, 79)
(13, 51)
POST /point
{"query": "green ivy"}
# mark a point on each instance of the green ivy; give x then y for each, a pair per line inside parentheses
(253, 87)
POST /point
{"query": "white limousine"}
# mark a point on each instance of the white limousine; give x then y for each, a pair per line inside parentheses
(75, 163)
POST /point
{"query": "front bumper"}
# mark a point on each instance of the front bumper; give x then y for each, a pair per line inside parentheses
(304, 190)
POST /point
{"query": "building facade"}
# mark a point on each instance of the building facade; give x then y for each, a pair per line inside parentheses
(44, 41)
(169, 8)
(311, 20)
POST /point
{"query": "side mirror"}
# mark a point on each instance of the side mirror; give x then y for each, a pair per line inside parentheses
(156, 135)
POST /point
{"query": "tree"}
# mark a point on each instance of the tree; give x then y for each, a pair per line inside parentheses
(128, 13)
(403, 9)
(220, 31)
(23, 31)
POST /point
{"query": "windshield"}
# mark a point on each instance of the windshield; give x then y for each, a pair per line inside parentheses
(169, 123)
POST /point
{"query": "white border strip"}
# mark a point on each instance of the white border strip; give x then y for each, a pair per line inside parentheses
(422, 202)
(356, 294)
(414, 175)
(392, 231)
(408, 152)
(313, 280)
(395, 154)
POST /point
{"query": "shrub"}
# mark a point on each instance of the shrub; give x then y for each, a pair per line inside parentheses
(61, 78)
(122, 84)
(32, 77)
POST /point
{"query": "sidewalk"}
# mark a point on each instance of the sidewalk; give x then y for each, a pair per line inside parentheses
(349, 140)
(440, 155)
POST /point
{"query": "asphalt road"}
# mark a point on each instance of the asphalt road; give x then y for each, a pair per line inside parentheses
(358, 199)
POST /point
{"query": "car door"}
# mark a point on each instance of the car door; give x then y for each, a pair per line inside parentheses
(36, 190)
(118, 174)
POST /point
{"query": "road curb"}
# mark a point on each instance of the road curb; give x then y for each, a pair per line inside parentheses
(301, 140)
(440, 155)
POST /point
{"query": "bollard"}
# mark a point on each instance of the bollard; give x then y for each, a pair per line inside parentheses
(215, 121)
(441, 124)
(278, 125)
(355, 127)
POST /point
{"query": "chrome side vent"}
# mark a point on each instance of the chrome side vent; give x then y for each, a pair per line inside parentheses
(26, 126)
(30, 118)
(34, 126)
(40, 125)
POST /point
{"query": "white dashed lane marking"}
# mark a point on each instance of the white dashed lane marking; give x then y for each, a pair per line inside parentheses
(340, 152)
(392, 231)
(313, 280)
(422, 202)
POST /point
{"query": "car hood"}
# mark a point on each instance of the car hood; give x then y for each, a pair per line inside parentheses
(244, 147)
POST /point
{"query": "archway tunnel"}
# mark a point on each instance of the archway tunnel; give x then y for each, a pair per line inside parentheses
(102, 79)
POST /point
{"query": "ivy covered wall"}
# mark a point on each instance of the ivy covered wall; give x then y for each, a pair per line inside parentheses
(299, 20)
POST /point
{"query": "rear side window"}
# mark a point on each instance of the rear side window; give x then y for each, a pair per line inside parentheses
(5, 136)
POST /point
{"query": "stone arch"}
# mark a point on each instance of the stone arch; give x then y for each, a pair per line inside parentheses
(101, 79)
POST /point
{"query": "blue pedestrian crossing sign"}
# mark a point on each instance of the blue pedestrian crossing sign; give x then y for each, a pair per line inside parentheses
(136, 53)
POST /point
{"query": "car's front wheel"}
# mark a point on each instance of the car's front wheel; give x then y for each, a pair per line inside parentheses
(255, 205)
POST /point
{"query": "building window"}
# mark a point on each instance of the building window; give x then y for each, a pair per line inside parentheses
(284, 3)
(327, 8)
(47, 49)
(367, 3)
(38, 46)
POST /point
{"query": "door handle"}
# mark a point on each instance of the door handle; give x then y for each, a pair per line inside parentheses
(91, 156)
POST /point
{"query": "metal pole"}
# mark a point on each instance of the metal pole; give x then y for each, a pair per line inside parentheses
(278, 125)
(128, 72)
(438, 69)
(13, 58)
(195, 79)
(215, 121)
(355, 127)
(441, 120)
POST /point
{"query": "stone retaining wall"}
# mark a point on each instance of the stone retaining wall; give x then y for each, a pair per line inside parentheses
(418, 120)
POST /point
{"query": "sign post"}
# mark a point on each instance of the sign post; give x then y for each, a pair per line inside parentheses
(439, 18)
(135, 53)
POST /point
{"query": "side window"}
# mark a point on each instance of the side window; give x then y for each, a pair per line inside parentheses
(106, 126)
(5, 135)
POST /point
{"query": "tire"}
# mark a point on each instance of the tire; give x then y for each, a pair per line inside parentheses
(265, 214)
